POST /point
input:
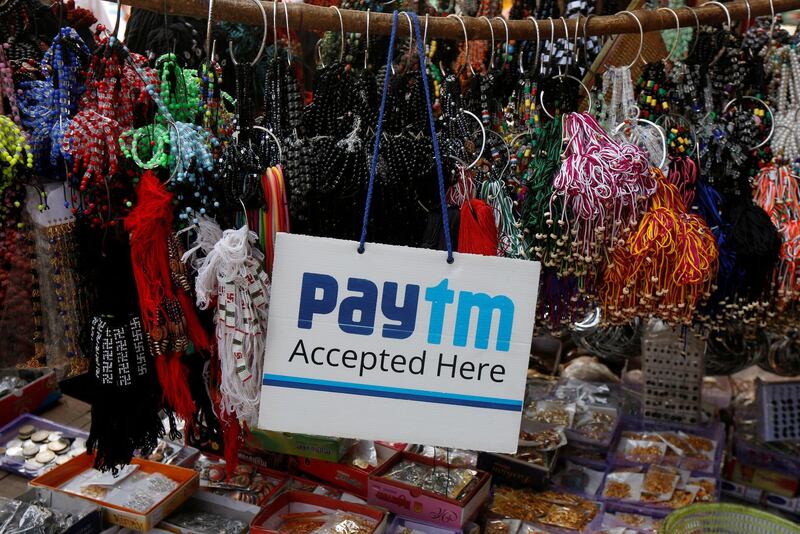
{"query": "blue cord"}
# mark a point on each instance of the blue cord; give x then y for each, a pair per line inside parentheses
(374, 165)
(376, 148)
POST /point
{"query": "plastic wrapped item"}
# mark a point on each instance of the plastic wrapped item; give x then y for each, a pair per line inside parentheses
(577, 478)
(542, 439)
(206, 523)
(18, 517)
(659, 483)
(454, 457)
(502, 526)
(31, 446)
(707, 488)
(246, 484)
(554, 413)
(346, 523)
(448, 481)
(623, 486)
(130, 488)
(549, 508)
(644, 452)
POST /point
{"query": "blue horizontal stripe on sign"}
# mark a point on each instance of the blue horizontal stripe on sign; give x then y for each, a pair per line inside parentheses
(367, 390)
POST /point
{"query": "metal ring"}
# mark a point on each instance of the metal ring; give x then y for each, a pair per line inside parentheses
(677, 39)
(771, 116)
(724, 8)
(505, 25)
(288, 33)
(696, 30)
(209, 24)
(571, 77)
(263, 37)
(341, 27)
(483, 138)
(466, 45)
(538, 45)
(491, 30)
(410, 37)
(641, 38)
(366, 49)
(274, 138)
(660, 133)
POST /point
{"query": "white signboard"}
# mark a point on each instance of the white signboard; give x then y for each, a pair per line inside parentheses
(396, 344)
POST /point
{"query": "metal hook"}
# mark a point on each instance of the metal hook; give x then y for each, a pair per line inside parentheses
(552, 43)
(772, 20)
(505, 25)
(538, 47)
(288, 33)
(483, 137)
(641, 39)
(660, 133)
(769, 110)
(749, 13)
(366, 47)
(566, 38)
(491, 31)
(319, 52)
(571, 77)
(724, 8)
(116, 22)
(341, 27)
(209, 51)
(466, 46)
(677, 40)
(410, 38)
(263, 38)
(696, 30)
(274, 138)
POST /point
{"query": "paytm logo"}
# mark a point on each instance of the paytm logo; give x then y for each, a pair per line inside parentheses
(357, 311)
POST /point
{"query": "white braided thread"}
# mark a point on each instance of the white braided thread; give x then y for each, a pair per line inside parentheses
(231, 272)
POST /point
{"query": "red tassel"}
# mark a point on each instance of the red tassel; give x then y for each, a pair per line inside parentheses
(194, 328)
(149, 224)
(172, 375)
(231, 432)
(477, 233)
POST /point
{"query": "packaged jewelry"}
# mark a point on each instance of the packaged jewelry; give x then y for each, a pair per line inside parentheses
(707, 488)
(542, 438)
(454, 457)
(683, 497)
(33, 446)
(659, 483)
(644, 452)
(554, 413)
(207, 523)
(502, 526)
(346, 523)
(130, 487)
(594, 425)
(448, 481)
(247, 483)
(551, 508)
(623, 486)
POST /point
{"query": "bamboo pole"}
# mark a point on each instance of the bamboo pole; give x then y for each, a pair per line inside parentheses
(317, 18)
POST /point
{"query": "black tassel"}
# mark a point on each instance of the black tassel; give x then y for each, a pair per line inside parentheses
(127, 399)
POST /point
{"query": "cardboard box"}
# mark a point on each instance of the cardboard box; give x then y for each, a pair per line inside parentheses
(783, 484)
(187, 479)
(40, 392)
(268, 521)
(518, 473)
(426, 506)
(91, 521)
(761, 497)
(213, 504)
(307, 446)
(347, 476)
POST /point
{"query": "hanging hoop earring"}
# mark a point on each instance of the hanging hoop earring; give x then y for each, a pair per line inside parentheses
(571, 77)
(677, 39)
(724, 8)
(505, 25)
(263, 37)
(641, 39)
(466, 46)
(769, 110)
(341, 33)
(491, 31)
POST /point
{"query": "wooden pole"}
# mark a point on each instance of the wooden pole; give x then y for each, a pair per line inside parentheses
(317, 18)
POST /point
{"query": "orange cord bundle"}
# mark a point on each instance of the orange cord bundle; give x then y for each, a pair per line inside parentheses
(667, 265)
(778, 193)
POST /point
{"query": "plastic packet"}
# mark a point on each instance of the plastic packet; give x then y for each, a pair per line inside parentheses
(533, 456)
(206, 523)
(530, 528)
(636, 521)
(623, 486)
(502, 526)
(683, 497)
(346, 523)
(579, 479)
(363, 455)
(595, 425)
(302, 522)
(707, 488)
(644, 452)
(452, 457)
(554, 413)
(563, 516)
(542, 439)
(659, 483)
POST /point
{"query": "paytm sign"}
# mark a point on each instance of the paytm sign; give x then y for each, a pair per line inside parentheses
(396, 344)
